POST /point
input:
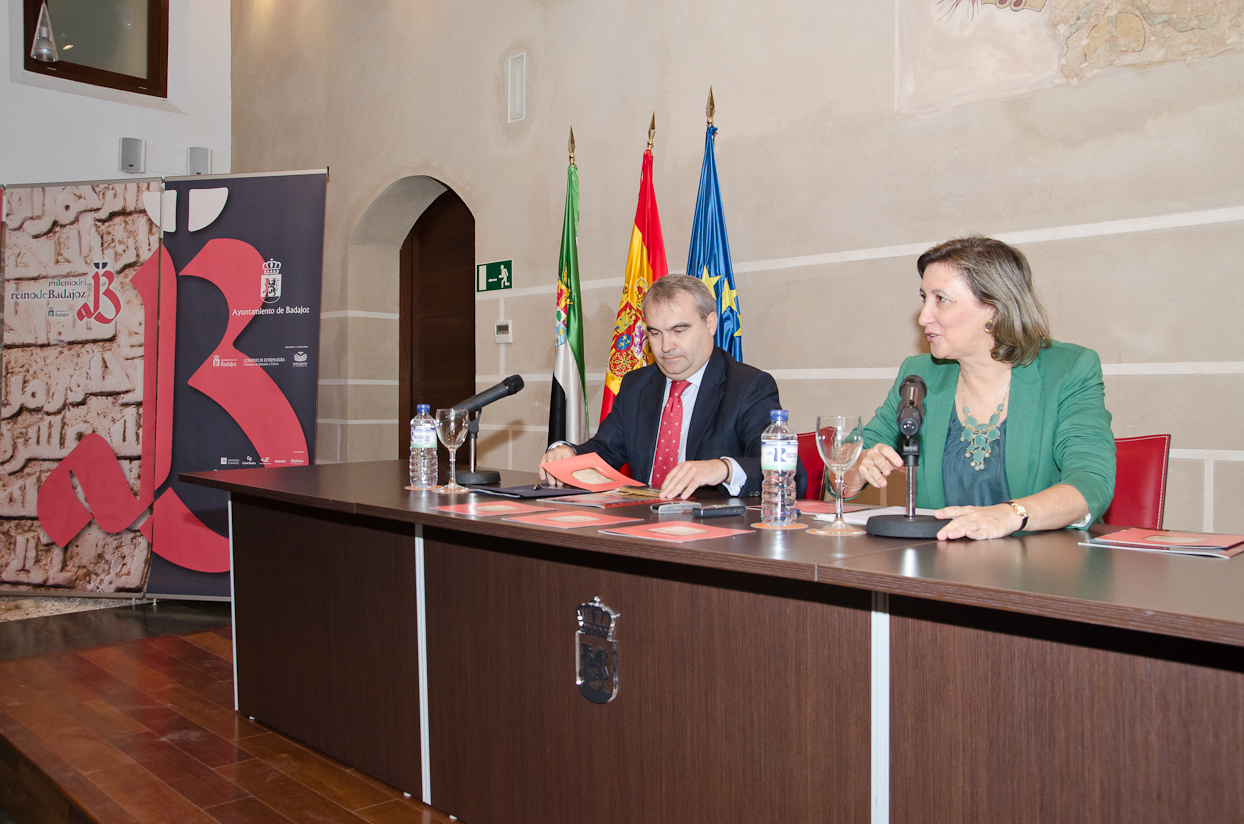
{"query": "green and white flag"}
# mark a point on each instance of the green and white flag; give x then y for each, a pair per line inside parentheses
(568, 404)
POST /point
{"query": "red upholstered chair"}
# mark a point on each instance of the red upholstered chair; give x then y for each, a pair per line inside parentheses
(812, 464)
(1140, 481)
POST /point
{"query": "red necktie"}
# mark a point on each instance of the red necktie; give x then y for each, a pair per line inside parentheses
(671, 435)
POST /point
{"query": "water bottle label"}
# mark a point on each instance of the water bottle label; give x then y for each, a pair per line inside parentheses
(423, 438)
(779, 456)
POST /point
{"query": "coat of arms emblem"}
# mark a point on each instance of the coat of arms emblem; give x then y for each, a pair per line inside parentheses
(596, 652)
(270, 282)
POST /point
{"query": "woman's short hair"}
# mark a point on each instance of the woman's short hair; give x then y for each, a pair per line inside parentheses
(666, 290)
(998, 276)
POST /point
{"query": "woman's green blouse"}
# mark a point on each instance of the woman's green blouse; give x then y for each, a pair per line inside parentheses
(1058, 428)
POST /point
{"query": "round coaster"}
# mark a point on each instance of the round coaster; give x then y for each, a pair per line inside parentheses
(795, 525)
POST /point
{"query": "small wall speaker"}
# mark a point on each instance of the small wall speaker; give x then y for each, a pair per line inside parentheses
(133, 156)
(199, 160)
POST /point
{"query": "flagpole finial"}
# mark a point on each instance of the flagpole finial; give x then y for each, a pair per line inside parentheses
(711, 107)
(652, 130)
(570, 146)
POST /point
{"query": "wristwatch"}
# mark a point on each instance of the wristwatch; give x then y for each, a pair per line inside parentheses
(1021, 512)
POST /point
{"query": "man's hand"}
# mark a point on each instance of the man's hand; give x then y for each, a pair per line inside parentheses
(689, 476)
(557, 453)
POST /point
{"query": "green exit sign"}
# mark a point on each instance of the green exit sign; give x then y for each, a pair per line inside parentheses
(492, 276)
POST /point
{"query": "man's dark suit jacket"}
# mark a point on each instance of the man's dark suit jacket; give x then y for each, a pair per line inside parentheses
(731, 411)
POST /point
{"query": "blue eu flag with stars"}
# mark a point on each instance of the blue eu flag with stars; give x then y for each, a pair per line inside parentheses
(709, 257)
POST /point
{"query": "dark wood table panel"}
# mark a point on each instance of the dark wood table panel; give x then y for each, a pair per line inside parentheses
(327, 643)
(1004, 717)
(379, 489)
(742, 698)
(1050, 574)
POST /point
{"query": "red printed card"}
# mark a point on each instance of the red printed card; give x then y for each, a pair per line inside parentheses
(588, 472)
(676, 531)
(563, 519)
(486, 508)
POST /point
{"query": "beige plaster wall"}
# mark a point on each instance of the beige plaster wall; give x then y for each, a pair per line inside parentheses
(828, 199)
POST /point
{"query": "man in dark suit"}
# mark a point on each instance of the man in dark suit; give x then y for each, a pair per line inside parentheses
(695, 417)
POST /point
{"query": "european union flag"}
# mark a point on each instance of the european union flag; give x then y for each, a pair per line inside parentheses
(709, 257)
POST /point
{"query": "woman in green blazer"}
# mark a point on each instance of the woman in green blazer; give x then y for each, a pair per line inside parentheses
(1038, 452)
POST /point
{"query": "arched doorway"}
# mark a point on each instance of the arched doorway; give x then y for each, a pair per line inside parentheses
(436, 328)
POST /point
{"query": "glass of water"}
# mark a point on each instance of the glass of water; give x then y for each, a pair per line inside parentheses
(451, 428)
(839, 439)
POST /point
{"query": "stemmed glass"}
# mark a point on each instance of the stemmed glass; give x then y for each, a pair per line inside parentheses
(451, 428)
(839, 439)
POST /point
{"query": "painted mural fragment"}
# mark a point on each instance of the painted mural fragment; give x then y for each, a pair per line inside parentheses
(954, 53)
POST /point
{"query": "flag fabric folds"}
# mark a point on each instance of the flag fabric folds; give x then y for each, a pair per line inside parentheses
(644, 264)
(568, 404)
(709, 256)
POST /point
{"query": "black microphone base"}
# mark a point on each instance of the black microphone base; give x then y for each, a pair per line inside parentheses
(479, 476)
(900, 526)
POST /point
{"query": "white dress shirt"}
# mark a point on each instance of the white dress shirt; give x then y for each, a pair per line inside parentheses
(738, 477)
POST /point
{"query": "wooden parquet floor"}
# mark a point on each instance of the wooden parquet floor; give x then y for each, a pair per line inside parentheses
(144, 731)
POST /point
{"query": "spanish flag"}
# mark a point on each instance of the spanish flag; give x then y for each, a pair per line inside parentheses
(644, 263)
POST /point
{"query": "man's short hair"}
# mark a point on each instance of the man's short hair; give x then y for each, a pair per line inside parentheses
(669, 289)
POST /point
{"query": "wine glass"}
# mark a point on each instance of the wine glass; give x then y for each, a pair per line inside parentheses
(839, 439)
(451, 428)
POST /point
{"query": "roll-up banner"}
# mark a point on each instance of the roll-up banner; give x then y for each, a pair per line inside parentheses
(248, 256)
(75, 391)
(101, 412)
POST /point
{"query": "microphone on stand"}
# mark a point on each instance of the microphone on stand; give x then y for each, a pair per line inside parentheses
(911, 394)
(510, 386)
(475, 403)
(911, 405)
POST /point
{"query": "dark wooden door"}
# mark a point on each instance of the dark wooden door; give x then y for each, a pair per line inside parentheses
(436, 365)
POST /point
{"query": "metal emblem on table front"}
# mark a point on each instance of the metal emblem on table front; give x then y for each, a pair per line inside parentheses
(596, 652)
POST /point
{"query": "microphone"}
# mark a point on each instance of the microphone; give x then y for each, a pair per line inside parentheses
(507, 387)
(911, 405)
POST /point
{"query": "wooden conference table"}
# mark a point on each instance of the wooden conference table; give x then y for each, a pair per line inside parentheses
(773, 676)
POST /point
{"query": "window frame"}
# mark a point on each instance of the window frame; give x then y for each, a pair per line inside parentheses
(155, 85)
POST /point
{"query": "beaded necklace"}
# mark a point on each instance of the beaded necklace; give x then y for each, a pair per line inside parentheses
(980, 436)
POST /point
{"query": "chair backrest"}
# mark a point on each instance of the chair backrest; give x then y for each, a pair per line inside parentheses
(1140, 481)
(810, 457)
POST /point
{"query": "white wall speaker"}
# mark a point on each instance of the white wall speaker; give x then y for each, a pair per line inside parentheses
(133, 156)
(199, 160)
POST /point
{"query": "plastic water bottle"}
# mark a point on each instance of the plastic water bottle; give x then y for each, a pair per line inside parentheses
(779, 457)
(423, 449)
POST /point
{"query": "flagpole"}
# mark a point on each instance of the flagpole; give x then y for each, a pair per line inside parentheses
(708, 257)
(645, 263)
(568, 396)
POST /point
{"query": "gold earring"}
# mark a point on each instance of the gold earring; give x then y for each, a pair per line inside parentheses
(989, 326)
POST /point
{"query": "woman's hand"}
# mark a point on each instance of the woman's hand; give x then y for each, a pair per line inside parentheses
(978, 522)
(1054, 508)
(874, 466)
